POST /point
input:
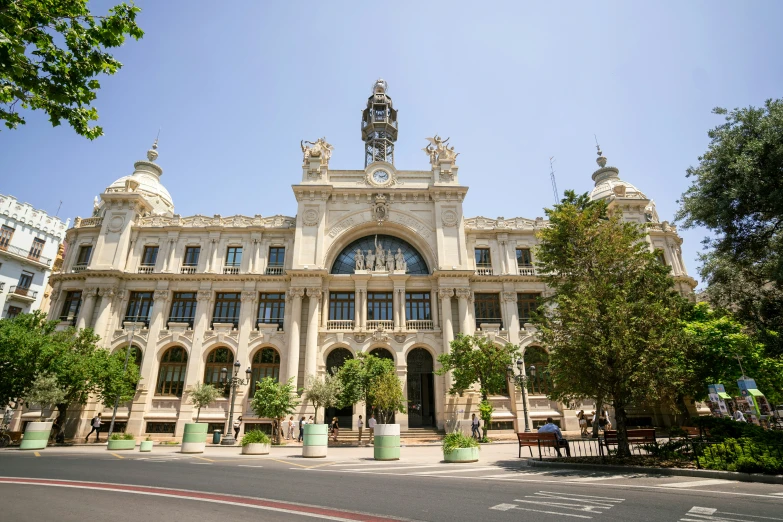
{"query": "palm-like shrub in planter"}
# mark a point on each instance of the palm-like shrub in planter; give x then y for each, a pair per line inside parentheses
(458, 447)
(121, 441)
(255, 442)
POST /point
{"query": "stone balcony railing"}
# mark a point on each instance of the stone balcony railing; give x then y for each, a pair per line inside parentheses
(188, 270)
(146, 269)
(231, 270)
(340, 324)
(380, 325)
(87, 222)
(527, 270)
(483, 270)
(419, 324)
(275, 270)
(23, 292)
(32, 256)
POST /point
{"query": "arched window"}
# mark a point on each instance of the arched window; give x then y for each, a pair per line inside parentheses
(218, 359)
(266, 363)
(382, 353)
(346, 264)
(537, 368)
(171, 375)
(336, 359)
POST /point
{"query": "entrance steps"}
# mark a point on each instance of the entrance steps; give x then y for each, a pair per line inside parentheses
(417, 435)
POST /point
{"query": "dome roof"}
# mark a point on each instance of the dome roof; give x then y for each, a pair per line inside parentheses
(147, 175)
(608, 183)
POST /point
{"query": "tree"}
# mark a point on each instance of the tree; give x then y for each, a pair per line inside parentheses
(356, 377)
(485, 412)
(202, 395)
(274, 400)
(477, 360)
(50, 55)
(737, 193)
(26, 346)
(46, 392)
(387, 396)
(323, 392)
(613, 319)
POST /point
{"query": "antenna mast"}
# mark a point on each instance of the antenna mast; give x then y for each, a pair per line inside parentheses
(552, 177)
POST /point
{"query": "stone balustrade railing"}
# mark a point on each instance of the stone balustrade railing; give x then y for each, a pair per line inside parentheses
(419, 324)
(340, 324)
(380, 325)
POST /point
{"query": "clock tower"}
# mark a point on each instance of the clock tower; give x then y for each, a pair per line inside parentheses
(379, 126)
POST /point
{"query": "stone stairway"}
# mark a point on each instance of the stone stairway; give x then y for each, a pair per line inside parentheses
(413, 435)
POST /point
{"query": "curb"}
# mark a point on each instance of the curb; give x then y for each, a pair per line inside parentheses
(678, 472)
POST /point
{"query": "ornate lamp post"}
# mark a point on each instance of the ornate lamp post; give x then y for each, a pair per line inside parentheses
(235, 381)
(521, 380)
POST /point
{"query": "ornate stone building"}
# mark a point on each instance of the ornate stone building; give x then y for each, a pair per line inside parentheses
(375, 260)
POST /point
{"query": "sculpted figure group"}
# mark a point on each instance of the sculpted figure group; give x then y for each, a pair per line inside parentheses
(380, 260)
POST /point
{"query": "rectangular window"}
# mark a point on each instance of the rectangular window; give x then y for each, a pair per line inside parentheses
(483, 258)
(276, 256)
(341, 306)
(13, 311)
(85, 252)
(36, 249)
(6, 233)
(183, 308)
(161, 427)
(417, 306)
(139, 308)
(524, 258)
(150, 255)
(73, 301)
(233, 256)
(191, 256)
(25, 280)
(227, 305)
(526, 305)
(380, 306)
(271, 309)
(660, 256)
(487, 307)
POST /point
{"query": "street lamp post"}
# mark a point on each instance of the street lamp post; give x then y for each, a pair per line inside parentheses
(124, 371)
(521, 380)
(235, 381)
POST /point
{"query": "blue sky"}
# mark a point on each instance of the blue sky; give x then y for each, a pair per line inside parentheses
(235, 86)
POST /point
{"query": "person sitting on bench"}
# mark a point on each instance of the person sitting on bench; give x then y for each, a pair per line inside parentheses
(551, 427)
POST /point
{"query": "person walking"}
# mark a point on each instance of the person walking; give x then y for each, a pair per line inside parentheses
(237, 426)
(603, 420)
(474, 427)
(582, 422)
(96, 427)
(371, 427)
(360, 425)
(335, 429)
(290, 433)
(302, 423)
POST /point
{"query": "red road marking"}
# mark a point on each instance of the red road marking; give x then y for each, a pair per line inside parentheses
(272, 505)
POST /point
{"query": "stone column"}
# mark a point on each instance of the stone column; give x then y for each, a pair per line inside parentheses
(170, 255)
(158, 319)
(246, 319)
(363, 306)
(512, 250)
(85, 315)
(401, 304)
(292, 366)
(213, 247)
(325, 307)
(396, 309)
(463, 294)
(357, 309)
(55, 309)
(512, 316)
(434, 309)
(445, 295)
(311, 346)
(104, 312)
(194, 372)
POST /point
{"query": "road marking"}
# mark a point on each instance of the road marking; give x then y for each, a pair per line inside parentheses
(118, 456)
(550, 500)
(503, 507)
(291, 463)
(591, 479)
(203, 458)
(451, 471)
(695, 483)
(248, 466)
(751, 516)
(395, 468)
(201, 463)
(702, 514)
(36, 454)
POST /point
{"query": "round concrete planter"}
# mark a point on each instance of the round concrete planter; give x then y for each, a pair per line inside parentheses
(36, 435)
(462, 455)
(316, 437)
(387, 442)
(145, 446)
(194, 440)
(118, 445)
(255, 449)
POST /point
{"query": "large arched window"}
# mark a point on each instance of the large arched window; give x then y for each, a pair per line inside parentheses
(266, 363)
(218, 359)
(382, 353)
(345, 263)
(537, 368)
(336, 359)
(171, 375)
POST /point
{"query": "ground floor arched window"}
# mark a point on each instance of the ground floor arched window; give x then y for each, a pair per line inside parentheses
(537, 367)
(217, 360)
(266, 363)
(421, 388)
(171, 374)
(335, 361)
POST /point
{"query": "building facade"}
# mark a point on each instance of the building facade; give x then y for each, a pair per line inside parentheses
(375, 260)
(29, 242)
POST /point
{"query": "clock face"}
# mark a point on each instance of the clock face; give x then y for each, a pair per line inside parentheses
(380, 176)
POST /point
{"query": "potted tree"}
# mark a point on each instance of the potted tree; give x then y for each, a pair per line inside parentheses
(46, 392)
(458, 447)
(255, 442)
(146, 445)
(274, 400)
(385, 394)
(194, 440)
(121, 441)
(323, 392)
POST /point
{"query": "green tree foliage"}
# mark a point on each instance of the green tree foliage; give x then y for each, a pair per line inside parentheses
(485, 412)
(202, 395)
(323, 392)
(737, 193)
(51, 52)
(46, 392)
(614, 324)
(356, 376)
(387, 396)
(274, 400)
(477, 360)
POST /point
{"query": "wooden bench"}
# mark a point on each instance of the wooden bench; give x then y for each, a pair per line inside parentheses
(640, 436)
(540, 440)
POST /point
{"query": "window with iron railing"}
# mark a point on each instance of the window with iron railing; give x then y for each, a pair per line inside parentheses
(276, 260)
(527, 304)
(25, 280)
(487, 309)
(227, 306)
(36, 249)
(183, 308)
(70, 310)
(6, 233)
(483, 261)
(271, 309)
(139, 308)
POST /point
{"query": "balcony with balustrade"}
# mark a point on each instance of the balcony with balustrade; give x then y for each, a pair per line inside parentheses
(275, 270)
(188, 269)
(22, 293)
(231, 269)
(380, 325)
(419, 324)
(26, 255)
(340, 325)
(526, 270)
(79, 268)
(146, 269)
(483, 269)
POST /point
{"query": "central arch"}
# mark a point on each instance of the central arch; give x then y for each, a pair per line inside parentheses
(345, 263)
(421, 389)
(335, 361)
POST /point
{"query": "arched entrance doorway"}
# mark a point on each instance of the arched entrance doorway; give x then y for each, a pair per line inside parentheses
(380, 353)
(421, 397)
(335, 361)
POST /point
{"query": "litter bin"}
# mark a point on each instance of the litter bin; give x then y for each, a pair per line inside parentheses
(216, 437)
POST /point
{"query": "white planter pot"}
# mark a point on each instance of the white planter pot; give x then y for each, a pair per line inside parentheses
(36, 435)
(256, 449)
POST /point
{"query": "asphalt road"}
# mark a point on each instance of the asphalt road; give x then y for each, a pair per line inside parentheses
(285, 485)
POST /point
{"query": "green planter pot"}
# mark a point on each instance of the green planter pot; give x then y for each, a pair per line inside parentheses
(462, 455)
(145, 446)
(118, 445)
(194, 440)
(316, 438)
(255, 449)
(386, 445)
(36, 435)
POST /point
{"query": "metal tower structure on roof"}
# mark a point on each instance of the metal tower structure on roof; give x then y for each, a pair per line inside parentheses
(379, 125)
